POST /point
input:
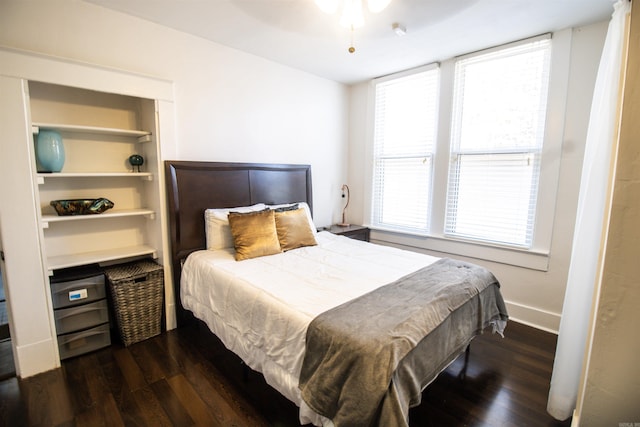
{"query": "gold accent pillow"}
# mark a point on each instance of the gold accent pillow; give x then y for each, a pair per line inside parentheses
(294, 230)
(254, 234)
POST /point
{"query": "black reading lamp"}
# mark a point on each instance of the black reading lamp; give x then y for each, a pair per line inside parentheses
(345, 188)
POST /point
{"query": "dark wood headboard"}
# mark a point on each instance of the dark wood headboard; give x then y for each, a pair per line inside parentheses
(193, 187)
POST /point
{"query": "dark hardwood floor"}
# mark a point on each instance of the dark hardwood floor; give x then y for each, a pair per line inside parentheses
(185, 377)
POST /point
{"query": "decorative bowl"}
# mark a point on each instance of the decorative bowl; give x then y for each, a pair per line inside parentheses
(81, 206)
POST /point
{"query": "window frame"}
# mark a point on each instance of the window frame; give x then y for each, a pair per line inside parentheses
(495, 155)
(537, 256)
(431, 155)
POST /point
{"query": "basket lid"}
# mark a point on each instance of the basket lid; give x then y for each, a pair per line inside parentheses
(132, 269)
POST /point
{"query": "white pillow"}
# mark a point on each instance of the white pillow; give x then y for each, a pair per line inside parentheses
(301, 205)
(216, 224)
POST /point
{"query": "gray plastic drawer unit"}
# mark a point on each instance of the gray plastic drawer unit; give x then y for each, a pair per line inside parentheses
(80, 310)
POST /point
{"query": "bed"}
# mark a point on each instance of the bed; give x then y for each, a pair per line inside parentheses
(349, 331)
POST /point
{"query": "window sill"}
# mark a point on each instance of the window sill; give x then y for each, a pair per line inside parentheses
(531, 259)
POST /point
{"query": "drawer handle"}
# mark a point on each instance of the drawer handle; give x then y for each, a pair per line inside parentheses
(84, 335)
(81, 311)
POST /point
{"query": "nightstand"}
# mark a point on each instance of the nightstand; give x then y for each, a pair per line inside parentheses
(358, 232)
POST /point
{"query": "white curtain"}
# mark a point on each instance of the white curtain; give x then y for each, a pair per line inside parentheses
(594, 184)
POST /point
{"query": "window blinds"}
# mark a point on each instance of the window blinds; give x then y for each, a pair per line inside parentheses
(497, 133)
(404, 144)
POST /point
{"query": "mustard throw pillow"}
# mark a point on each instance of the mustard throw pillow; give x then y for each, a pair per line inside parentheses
(294, 230)
(254, 234)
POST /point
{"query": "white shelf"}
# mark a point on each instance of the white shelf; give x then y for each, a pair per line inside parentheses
(92, 174)
(46, 219)
(74, 260)
(91, 129)
(148, 176)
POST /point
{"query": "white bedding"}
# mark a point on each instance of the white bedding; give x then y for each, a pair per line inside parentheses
(260, 308)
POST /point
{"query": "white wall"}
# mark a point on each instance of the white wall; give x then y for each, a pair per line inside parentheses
(533, 297)
(229, 106)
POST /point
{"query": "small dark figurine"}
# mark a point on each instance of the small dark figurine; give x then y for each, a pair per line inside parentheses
(136, 161)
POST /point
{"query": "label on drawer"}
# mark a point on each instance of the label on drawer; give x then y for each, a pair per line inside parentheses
(77, 294)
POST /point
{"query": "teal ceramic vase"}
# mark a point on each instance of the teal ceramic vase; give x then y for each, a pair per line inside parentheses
(49, 151)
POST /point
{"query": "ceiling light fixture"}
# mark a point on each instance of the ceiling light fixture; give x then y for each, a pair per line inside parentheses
(352, 13)
(398, 29)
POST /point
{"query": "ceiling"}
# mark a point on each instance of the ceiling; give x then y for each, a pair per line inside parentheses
(298, 34)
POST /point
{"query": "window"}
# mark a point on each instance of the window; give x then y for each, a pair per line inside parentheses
(497, 131)
(472, 174)
(404, 135)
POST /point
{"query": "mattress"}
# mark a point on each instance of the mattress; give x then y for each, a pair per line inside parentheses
(260, 308)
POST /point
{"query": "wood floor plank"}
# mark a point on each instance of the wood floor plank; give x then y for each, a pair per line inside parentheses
(150, 366)
(171, 404)
(130, 369)
(180, 347)
(7, 364)
(192, 402)
(73, 371)
(13, 407)
(112, 374)
(230, 407)
(36, 397)
(245, 384)
(110, 412)
(218, 403)
(136, 401)
(151, 409)
(224, 403)
(156, 348)
(103, 414)
(130, 412)
(48, 400)
(95, 379)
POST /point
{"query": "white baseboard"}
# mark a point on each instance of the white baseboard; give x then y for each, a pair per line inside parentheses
(171, 316)
(575, 421)
(534, 317)
(35, 358)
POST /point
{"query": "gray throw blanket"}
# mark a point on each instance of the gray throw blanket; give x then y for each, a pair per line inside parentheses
(353, 351)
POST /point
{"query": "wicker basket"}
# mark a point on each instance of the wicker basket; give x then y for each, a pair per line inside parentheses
(136, 289)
